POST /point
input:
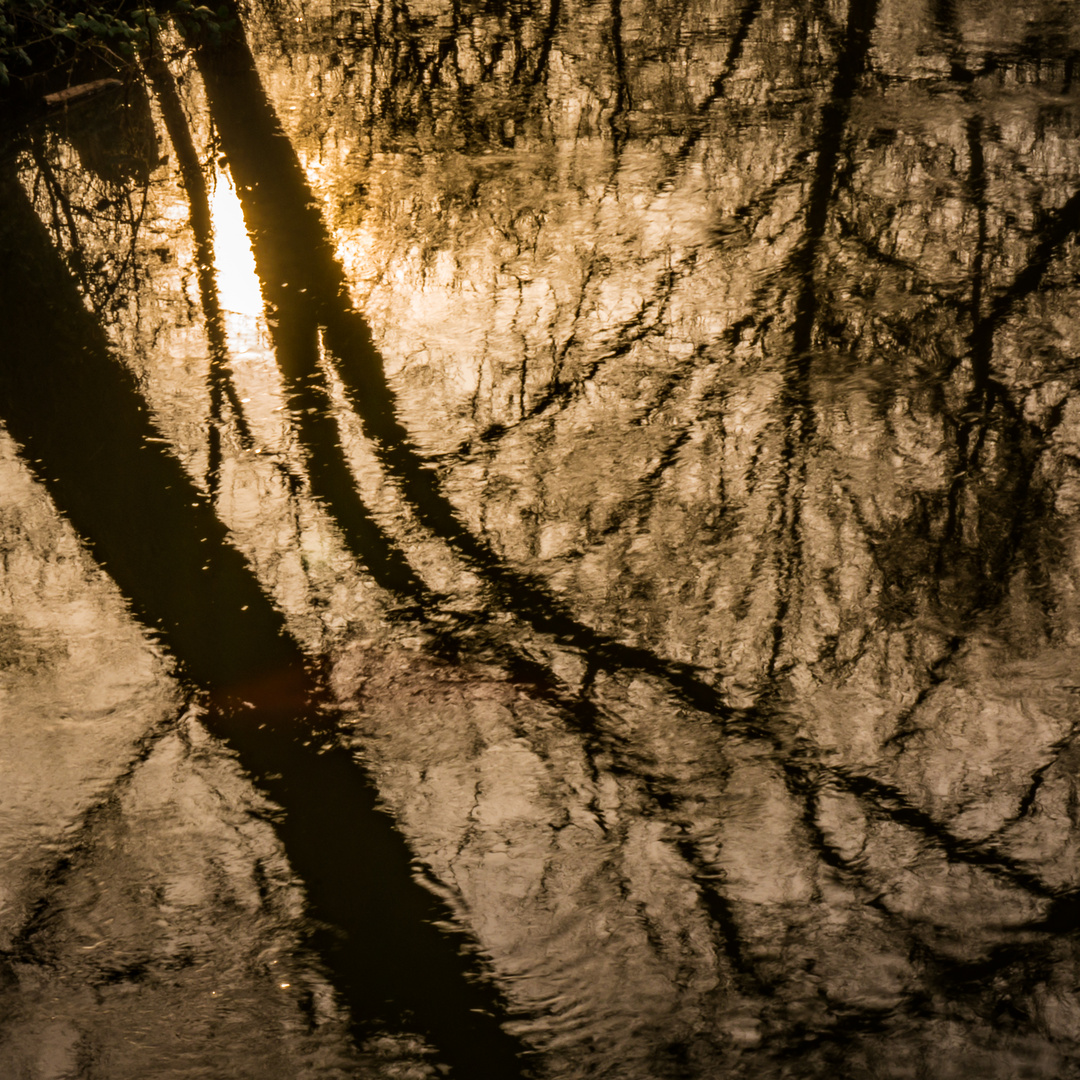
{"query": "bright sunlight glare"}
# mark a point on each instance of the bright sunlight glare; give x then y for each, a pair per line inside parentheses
(238, 284)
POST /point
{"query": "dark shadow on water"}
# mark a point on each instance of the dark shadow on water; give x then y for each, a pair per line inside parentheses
(85, 431)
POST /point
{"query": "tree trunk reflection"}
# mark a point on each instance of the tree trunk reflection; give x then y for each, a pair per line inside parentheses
(654, 463)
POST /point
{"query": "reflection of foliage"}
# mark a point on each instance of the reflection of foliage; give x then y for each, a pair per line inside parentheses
(35, 35)
(90, 184)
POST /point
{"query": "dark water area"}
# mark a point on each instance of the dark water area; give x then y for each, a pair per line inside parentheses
(542, 541)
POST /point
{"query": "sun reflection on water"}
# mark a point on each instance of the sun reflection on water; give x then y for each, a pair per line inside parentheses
(238, 286)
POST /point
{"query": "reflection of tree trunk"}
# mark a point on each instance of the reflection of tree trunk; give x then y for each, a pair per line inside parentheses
(797, 413)
(971, 428)
(306, 288)
(71, 404)
(623, 102)
(80, 420)
(328, 472)
(191, 172)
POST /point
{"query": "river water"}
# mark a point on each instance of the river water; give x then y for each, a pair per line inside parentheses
(541, 540)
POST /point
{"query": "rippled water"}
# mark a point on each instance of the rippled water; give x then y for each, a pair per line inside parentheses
(542, 540)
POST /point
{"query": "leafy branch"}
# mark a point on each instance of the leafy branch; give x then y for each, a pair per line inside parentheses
(37, 35)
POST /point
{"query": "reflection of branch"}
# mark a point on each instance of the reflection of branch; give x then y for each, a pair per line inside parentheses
(889, 803)
(860, 873)
(130, 255)
(75, 841)
(300, 271)
(750, 214)
(640, 502)
(292, 246)
(590, 722)
(721, 913)
(99, 288)
(1038, 778)
(59, 201)
(872, 248)
(1060, 225)
(749, 15)
(191, 172)
(643, 323)
(86, 431)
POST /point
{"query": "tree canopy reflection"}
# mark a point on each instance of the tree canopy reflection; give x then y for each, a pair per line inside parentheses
(672, 486)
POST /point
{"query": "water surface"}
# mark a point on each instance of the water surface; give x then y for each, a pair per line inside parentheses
(541, 540)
